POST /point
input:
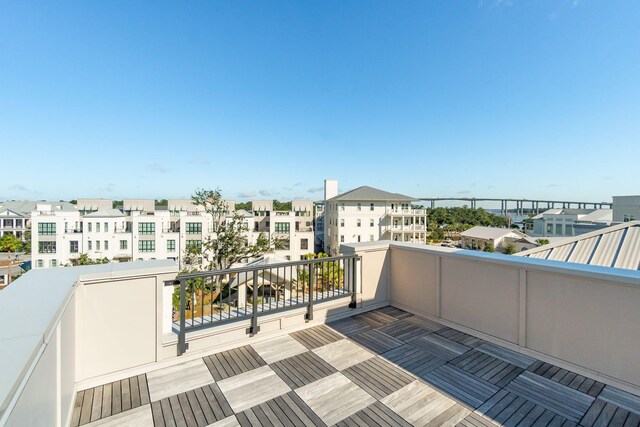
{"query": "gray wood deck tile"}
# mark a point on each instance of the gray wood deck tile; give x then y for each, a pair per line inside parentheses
(427, 324)
(475, 420)
(421, 405)
(439, 346)
(376, 341)
(568, 378)
(413, 359)
(460, 385)
(103, 401)
(286, 410)
(136, 417)
(200, 407)
(556, 397)
(278, 348)
(394, 312)
(375, 415)
(302, 369)
(342, 354)
(460, 337)
(252, 388)
(233, 362)
(487, 367)
(404, 330)
(334, 398)
(378, 377)
(176, 379)
(513, 357)
(349, 326)
(621, 398)
(316, 337)
(375, 318)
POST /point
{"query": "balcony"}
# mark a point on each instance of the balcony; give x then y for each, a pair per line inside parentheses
(408, 227)
(436, 336)
(410, 212)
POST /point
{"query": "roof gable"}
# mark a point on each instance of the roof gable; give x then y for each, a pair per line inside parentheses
(366, 193)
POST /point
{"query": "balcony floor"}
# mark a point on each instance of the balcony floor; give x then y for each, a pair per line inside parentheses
(384, 367)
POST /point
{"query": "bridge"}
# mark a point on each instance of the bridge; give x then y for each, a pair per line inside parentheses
(535, 204)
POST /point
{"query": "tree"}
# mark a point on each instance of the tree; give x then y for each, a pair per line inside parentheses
(83, 259)
(437, 234)
(26, 243)
(244, 205)
(542, 242)
(228, 243)
(10, 243)
(509, 249)
(281, 206)
(489, 247)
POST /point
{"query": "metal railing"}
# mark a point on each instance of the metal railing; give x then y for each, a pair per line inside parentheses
(207, 299)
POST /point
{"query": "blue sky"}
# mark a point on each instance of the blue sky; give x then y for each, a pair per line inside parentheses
(122, 99)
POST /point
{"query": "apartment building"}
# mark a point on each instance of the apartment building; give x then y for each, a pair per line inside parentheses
(56, 235)
(139, 230)
(369, 214)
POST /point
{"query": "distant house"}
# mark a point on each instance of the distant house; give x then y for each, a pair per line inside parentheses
(616, 246)
(478, 237)
(568, 222)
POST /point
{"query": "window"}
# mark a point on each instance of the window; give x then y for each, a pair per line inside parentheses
(90, 245)
(358, 238)
(40, 263)
(341, 206)
(46, 247)
(89, 226)
(46, 228)
(73, 246)
(282, 227)
(341, 238)
(371, 206)
(304, 243)
(568, 229)
(97, 227)
(123, 245)
(147, 228)
(194, 228)
(371, 223)
(53, 263)
(341, 222)
(97, 244)
(171, 245)
(559, 229)
(106, 245)
(359, 223)
(106, 227)
(549, 228)
(18, 223)
(359, 206)
(146, 245)
(194, 246)
(371, 238)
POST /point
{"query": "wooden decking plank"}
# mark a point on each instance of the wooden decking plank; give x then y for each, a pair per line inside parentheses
(187, 412)
(271, 416)
(167, 413)
(207, 412)
(177, 412)
(126, 394)
(299, 411)
(282, 411)
(548, 399)
(532, 416)
(252, 418)
(135, 392)
(633, 420)
(106, 400)
(500, 405)
(510, 356)
(544, 419)
(619, 418)
(377, 341)
(593, 412)
(240, 360)
(197, 410)
(222, 365)
(216, 409)
(222, 401)
(96, 407)
(243, 420)
(315, 419)
(144, 389)
(349, 326)
(621, 398)
(491, 402)
(509, 410)
(87, 403)
(116, 398)
(77, 407)
(605, 415)
(156, 413)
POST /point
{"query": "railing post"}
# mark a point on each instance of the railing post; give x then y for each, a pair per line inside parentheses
(254, 328)
(182, 336)
(312, 273)
(354, 277)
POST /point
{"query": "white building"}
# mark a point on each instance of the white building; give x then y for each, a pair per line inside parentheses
(369, 214)
(626, 208)
(56, 235)
(476, 238)
(15, 217)
(139, 230)
(568, 222)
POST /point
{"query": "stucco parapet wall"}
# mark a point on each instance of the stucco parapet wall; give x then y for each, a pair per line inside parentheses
(32, 306)
(610, 274)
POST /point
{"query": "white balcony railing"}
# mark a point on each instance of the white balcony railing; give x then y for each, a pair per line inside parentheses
(398, 212)
(410, 227)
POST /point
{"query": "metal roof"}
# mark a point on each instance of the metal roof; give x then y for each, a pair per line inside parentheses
(493, 233)
(616, 246)
(366, 194)
(106, 213)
